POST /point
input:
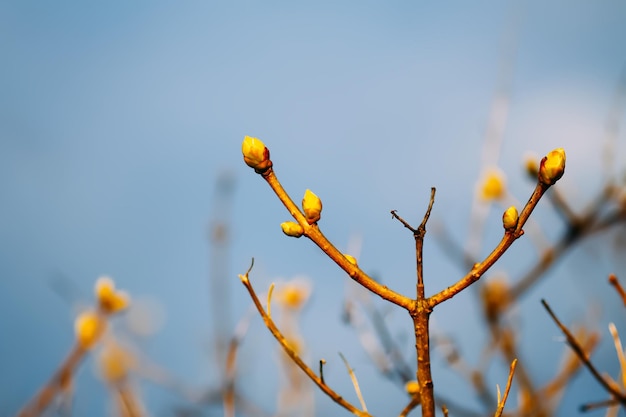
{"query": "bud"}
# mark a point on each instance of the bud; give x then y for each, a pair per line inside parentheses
(492, 186)
(255, 154)
(312, 206)
(552, 167)
(292, 229)
(530, 165)
(109, 299)
(294, 294)
(510, 218)
(412, 387)
(115, 362)
(89, 328)
(350, 259)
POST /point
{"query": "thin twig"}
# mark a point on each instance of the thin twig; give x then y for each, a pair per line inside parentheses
(313, 232)
(355, 382)
(42, 400)
(269, 300)
(415, 400)
(507, 240)
(502, 402)
(618, 287)
(269, 323)
(599, 404)
(577, 348)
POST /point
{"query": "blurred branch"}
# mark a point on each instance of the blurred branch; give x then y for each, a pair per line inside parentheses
(580, 352)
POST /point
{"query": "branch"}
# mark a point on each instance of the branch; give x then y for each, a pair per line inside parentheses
(313, 232)
(577, 348)
(269, 323)
(502, 402)
(507, 240)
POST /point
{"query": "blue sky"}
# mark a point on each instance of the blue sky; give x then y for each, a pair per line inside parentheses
(117, 118)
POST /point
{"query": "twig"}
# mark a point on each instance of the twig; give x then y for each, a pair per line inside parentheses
(269, 300)
(502, 402)
(598, 404)
(618, 287)
(619, 350)
(415, 400)
(313, 232)
(355, 382)
(507, 240)
(269, 323)
(229, 393)
(577, 348)
(42, 400)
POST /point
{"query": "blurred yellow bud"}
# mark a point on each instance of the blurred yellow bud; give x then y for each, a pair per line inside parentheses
(531, 166)
(495, 297)
(412, 387)
(255, 154)
(510, 218)
(312, 206)
(293, 294)
(552, 166)
(89, 328)
(115, 362)
(350, 259)
(109, 299)
(493, 185)
(292, 229)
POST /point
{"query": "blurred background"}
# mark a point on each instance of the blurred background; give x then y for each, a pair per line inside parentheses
(120, 151)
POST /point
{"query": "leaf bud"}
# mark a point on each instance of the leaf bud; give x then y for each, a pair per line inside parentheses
(552, 167)
(412, 387)
(255, 154)
(510, 218)
(109, 299)
(312, 207)
(292, 229)
(89, 328)
(492, 185)
(350, 259)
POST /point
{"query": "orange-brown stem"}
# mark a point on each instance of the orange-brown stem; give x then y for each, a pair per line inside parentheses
(313, 232)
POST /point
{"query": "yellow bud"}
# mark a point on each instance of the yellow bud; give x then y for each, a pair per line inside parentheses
(312, 206)
(292, 229)
(531, 166)
(492, 185)
(109, 299)
(294, 294)
(510, 218)
(350, 259)
(552, 167)
(115, 362)
(255, 154)
(495, 297)
(412, 387)
(89, 328)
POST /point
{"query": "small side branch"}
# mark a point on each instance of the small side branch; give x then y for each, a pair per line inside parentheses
(502, 402)
(507, 240)
(578, 349)
(269, 323)
(618, 287)
(313, 232)
(355, 382)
